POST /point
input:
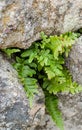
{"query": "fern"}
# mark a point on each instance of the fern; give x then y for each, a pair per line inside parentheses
(30, 86)
(44, 62)
(61, 84)
(26, 73)
(51, 102)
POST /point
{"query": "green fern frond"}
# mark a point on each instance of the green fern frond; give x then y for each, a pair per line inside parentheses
(51, 102)
(31, 88)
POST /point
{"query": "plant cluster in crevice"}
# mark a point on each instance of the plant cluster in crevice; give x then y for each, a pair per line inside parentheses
(43, 63)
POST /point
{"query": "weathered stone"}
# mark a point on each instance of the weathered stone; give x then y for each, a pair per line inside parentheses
(71, 109)
(21, 21)
(47, 124)
(74, 62)
(15, 113)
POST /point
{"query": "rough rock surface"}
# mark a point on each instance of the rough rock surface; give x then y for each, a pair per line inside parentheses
(74, 62)
(15, 113)
(71, 108)
(21, 21)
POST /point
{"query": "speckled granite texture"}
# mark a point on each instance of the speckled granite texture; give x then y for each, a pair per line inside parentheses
(15, 113)
(74, 62)
(21, 21)
(71, 108)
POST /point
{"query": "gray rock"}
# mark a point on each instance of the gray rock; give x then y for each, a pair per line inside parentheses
(74, 62)
(21, 21)
(71, 109)
(47, 124)
(15, 113)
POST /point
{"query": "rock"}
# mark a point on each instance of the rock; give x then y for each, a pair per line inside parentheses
(71, 109)
(22, 21)
(74, 62)
(15, 113)
(47, 124)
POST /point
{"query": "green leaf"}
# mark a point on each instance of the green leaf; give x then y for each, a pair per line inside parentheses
(30, 81)
(10, 51)
(26, 53)
(49, 73)
(27, 71)
(17, 66)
